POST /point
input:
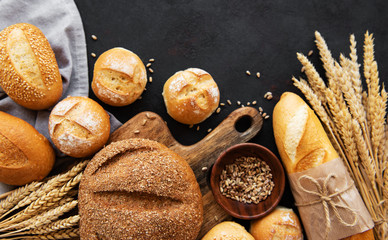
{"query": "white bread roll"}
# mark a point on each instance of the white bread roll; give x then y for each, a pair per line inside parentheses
(228, 230)
(79, 126)
(25, 154)
(282, 223)
(301, 140)
(29, 72)
(191, 96)
(119, 77)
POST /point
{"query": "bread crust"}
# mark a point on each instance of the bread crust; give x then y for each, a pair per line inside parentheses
(119, 77)
(79, 126)
(25, 154)
(301, 140)
(228, 230)
(282, 223)
(139, 189)
(191, 96)
(29, 72)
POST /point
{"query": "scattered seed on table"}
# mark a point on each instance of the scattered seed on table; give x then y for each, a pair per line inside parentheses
(191, 126)
(151, 60)
(151, 70)
(209, 130)
(242, 105)
(218, 110)
(258, 75)
(261, 109)
(266, 117)
(204, 169)
(310, 53)
(148, 65)
(254, 102)
(222, 104)
(197, 128)
(248, 103)
(238, 103)
(229, 102)
(248, 72)
(264, 114)
(94, 37)
(140, 97)
(150, 79)
(93, 54)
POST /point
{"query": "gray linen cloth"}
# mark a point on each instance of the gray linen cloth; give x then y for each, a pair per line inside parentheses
(60, 22)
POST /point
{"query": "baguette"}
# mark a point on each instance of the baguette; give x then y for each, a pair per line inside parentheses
(25, 154)
(301, 140)
(29, 72)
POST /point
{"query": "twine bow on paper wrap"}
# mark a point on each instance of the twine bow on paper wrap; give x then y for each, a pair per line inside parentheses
(329, 204)
(327, 200)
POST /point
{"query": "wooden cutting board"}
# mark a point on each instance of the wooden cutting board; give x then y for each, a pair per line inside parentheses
(202, 154)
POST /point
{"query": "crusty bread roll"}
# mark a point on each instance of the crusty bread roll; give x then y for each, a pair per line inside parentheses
(139, 189)
(29, 72)
(281, 223)
(191, 96)
(228, 230)
(79, 126)
(25, 154)
(119, 77)
(300, 138)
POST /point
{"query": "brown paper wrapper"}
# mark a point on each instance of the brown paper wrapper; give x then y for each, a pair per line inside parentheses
(326, 195)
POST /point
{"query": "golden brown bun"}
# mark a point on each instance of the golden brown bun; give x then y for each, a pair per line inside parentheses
(299, 135)
(139, 189)
(79, 126)
(367, 235)
(29, 72)
(228, 231)
(25, 154)
(191, 96)
(282, 223)
(119, 77)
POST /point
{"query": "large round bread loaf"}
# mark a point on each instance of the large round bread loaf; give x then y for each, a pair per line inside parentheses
(29, 72)
(25, 154)
(139, 189)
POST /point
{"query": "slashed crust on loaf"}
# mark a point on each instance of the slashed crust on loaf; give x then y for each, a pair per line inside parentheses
(29, 72)
(139, 189)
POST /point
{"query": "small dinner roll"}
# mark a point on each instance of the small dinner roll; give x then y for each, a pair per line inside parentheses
(228, 230)
(79, 126)
(191, 96)
(282, 223)
(119, 77)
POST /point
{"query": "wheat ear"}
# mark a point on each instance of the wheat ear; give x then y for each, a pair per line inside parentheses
(43, 202)
(45, 218)
(315, 81)
(17, 195)
(51, 184)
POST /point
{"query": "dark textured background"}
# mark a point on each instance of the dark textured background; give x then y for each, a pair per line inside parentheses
(226, 38)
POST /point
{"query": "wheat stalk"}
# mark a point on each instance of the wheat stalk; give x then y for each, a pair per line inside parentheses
(45, 218)
(17, 195)
(51, 184)
(62, 234)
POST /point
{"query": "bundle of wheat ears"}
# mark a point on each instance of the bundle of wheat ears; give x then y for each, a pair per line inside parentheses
(40, 210)
(354, 120)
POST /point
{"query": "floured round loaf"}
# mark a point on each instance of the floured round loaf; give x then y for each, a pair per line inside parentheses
(139, 189)
(282, 223)
(119, 77)
(79, 126)
(228, 230)
(191, 96)
(29, 72)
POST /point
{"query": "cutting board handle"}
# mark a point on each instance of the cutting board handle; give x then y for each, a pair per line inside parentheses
(223, 136)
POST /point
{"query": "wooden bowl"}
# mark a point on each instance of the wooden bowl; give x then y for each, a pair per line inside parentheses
(238, 209)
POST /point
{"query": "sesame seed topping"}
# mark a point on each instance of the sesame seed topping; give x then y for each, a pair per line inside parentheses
(136, 132)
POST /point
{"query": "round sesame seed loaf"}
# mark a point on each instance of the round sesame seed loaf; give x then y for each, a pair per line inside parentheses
(139, 189)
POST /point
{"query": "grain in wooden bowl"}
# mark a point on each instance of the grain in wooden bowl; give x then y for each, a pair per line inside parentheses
(247, 181)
